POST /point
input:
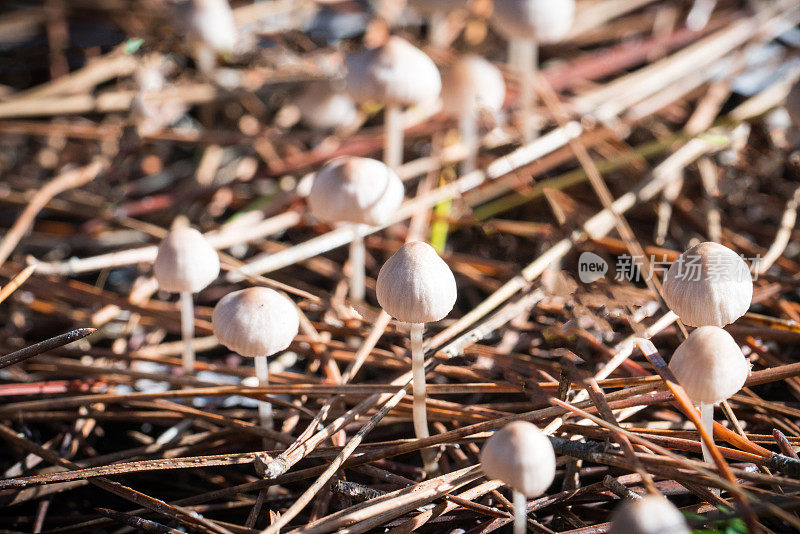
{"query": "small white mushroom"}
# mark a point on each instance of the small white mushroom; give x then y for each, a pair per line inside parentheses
(185, 263)
(322, 107)
(256, 322)
(652, 514)
(709, 284)
(396, 74)
(416, 286)
(470, 86)
(359, 191)
(522, 457)
(526, 24)
(710, 366)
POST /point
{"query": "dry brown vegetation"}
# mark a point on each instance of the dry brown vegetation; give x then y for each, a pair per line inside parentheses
(650, 142)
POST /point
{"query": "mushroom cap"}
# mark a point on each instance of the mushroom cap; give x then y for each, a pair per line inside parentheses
(522, 457)
(709, 284)
(256, 321)
(211, 21)
(472, 84)
(323, 108)
(792, 104)
(546, 21)
(356, 190)
(185, 261)
(709, 365)
(396, 73)
(652, 514)
(415, 285)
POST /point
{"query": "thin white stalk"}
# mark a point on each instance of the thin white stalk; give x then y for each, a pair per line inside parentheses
(393, 134)
(357, 254)
(264, 408)
(187, 332)
(420, 414)
(526, 58)
(438, 30)
(468, 128)
(520, 513)
(707, 419)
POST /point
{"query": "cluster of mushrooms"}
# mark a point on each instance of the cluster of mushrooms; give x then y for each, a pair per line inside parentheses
(707, 287)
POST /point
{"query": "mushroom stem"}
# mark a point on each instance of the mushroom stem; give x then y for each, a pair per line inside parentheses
(520, 513)
(264, 408)
(707, 420)
(468, 128)
(187, 331)
(419, 411)
(437, 30)
(357, 254)
(523, 56)
(393, 133)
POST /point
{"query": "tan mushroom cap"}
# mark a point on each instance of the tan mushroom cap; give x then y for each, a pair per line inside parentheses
(396, 73)
(546, 21)
(522, 457)
(415, 285)
(356, 190)
(709, 365)
(709, 284)
(792, 104)
(324, 108)
(255, 322)
(472, 84)
(185, 261)
(652, 514)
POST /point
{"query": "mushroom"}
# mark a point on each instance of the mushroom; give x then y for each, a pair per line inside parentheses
(470, 86)
(416, 286)
(396, 74)
(359, 191)
(651, 514)
(709, 284)
(526, 24)
(185, 263)
(710, 366)
(256, 323)
(522, 457)
(323, 107)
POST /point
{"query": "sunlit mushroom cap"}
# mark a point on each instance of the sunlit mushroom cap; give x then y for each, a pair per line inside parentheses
(709, 284)
(793, 104)
(395, 73)
(415, 285)
(211, 22)
(356, 190)
(522, 457)
(710, 365)
(651, 514)
(546, 21)
(324, 108)
(255, 322)
(185, 261)
(472, 84)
